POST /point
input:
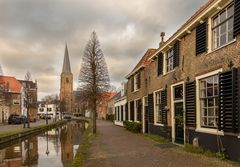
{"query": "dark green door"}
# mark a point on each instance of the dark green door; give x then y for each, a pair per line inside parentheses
(179, 126)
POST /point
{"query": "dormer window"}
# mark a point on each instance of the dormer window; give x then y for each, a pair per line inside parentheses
(223, 27)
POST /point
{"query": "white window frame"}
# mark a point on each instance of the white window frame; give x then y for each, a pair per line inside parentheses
(198, 109)
(214, 40)
(135, 81)
(173, 101)
(169, 67)
(210, 32)
(145, 103)
(155, 111)
(135, 110)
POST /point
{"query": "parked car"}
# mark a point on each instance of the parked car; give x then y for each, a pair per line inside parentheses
(14, 119)
(17, 119)
(24, 119)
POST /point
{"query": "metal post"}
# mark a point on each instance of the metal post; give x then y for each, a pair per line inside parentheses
(47, 116)
(28, 119)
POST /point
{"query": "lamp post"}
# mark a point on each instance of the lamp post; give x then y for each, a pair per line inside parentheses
(27, 98)
(47, 115)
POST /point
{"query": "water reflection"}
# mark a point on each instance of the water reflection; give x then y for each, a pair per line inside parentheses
(54, 148)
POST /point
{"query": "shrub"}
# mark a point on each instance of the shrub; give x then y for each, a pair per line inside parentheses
(133, 126)
(110, 117)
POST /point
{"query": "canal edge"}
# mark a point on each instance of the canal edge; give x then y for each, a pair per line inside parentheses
(24, 133)
(83, 151)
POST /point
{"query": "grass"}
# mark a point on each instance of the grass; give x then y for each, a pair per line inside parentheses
(157, 138)
(83, 149)
(198, 150)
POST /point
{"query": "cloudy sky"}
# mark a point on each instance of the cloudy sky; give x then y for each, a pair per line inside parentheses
(33, 34)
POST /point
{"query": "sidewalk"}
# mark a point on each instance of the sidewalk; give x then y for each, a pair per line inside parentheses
(10, 128)
(116, 147)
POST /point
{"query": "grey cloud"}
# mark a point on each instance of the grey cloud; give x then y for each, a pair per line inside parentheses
(33, 34)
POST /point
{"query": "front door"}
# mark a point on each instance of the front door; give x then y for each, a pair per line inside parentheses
(179, 126)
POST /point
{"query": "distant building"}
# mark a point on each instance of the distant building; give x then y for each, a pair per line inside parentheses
(11, 101)
(29, 98)
(51, 110)
(102, 106)
(66, 85)
(120, 106)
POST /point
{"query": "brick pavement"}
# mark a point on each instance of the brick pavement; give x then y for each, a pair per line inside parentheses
(116, 147)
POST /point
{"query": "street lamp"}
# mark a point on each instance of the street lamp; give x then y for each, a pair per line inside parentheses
(47, 115)
(27, 99)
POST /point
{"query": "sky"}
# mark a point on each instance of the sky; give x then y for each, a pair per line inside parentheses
(33, 34)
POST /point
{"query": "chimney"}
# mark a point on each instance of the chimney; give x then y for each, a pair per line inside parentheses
(162, 35)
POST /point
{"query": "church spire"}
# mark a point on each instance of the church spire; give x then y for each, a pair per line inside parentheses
(66, 62)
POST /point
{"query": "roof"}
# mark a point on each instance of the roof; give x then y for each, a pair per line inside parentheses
(11, 83)
(66, 62)
(185, 25)
(29, 84)
(144, 62)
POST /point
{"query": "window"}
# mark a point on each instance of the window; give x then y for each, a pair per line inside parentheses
(169, 60)
(209, 101)
(223, 27)
(137, 81)
(146, 101)
(139, 110)
(157, 108)
(16, 102)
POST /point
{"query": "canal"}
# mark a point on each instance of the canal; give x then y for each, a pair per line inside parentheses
(53, 148)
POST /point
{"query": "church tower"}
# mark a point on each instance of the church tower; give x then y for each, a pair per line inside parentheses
(66, 85)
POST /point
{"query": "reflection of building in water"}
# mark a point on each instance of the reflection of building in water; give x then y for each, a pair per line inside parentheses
(2, 157)
(30, 151)
(66, 138)
(13, 156)
(70, 136)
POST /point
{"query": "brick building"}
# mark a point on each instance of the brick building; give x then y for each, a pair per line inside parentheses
(192, 82)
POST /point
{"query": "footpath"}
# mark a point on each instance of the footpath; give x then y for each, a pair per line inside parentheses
(113, 146)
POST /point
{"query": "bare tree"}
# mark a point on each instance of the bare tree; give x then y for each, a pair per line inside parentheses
(93, 78)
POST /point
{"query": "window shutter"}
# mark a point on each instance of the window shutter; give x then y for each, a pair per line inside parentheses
(139, 110)
(236, 25)
(132, 110)
(150, 108)
(163, 106)
(176, 54)
(201, 38)
(190, 93)
(126, 111)
(139, 80)
(132, 84)
(160, 64)
(228, 120)
(121, 113)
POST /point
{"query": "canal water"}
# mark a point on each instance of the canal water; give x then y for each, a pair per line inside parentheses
(54, 148)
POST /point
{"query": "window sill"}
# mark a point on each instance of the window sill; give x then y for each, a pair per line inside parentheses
(135, 91)
(168, 72)
(214, 50)
(210, 131)
(157, 124)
